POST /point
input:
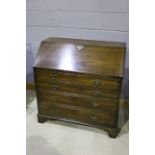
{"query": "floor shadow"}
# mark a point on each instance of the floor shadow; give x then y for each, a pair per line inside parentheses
(125, 84)
(123, 120)
(37, 145)
(30, 96)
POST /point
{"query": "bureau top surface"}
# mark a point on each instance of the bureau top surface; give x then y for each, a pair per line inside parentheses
(84, 56)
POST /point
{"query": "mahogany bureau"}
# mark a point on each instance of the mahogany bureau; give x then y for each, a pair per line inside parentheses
(79, 81)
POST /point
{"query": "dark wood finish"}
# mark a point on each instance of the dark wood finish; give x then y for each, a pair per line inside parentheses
(79, 57)
(30, 86)
(79, 81)
(100, 104)
(113, 132)
(75, 113)
(51, 75)
(79, 90)
(42, 119)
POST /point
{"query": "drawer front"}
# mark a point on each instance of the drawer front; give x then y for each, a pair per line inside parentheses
(83, 115)
(80, 90)
(74, 100)
(46, 75)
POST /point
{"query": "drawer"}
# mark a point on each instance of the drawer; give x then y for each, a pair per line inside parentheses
(77, 101)
(68, 112)
(46, 75)
(80, 90)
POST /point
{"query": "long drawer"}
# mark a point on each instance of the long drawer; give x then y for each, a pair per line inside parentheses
(100, 104)
(68, 112)
(48, 75)
(78, 90)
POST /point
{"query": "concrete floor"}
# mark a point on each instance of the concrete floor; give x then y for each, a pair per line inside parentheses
(61, 138)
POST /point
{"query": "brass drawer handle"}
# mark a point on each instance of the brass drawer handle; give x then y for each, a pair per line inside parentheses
(96, 82)
(53, 78)
(94, 118)
(95, 104)
(97, 94)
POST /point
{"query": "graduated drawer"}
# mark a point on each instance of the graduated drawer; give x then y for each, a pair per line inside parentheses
(78, 89)
(48, 75)
(78, 101)
(83, 115)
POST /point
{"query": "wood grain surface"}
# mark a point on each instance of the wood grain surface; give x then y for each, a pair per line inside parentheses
(80, 81)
